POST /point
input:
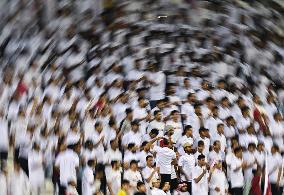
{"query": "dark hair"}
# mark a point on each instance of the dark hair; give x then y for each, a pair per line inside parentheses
(141, 98)
(112, 141)
(166, 141)
(130, 146)
(186, 128)
(144, 143)
(202, 129)
(189, 94)
(149, 156)
(90, 162)
(197, 105)
(154, 131)
(224, 98)
(133, 162)
(128, 110)
(237, 149)
(276, 147)
(163, 184)
(125, 182)
(88, 142)
(215, 142)
(97, 124)
(245, 108)
(111, 122)
(210, 99)
(219, 125)
(229, 118)
(156, 112)
(251, 145)
(200, 143)
(174, 111)
(200, 157)
(113, 162)
(215, 108)
(139, 184)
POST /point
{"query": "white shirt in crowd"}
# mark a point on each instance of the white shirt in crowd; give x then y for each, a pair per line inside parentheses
(114, 179)
(187, 162)
(164, 159)
(218, 180)
(201, 187)
(3, 184)
(157, 90)
(156, 191)
(133, 177)
(146, 172)
(88, 181)
(36, 171)
(18, 183)
(160, 125)
(236, 177)
(274, 165)
(67, 162)
(4, 138)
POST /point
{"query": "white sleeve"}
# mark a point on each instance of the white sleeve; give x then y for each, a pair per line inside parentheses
(145, 174)
(89, 177)
(181, 161)
(159, 78)
(57, 161)
(195, 174)
(212, 183)
(157, 149)
(234, 164)
(125, 139)
(77, 161)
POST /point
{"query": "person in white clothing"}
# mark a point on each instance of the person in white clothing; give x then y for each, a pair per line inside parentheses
(276, 128)
(133, 176)
(71, 188)
(200, 177)
(230, 128)
(182, 189)
(216, 155)
(250, 160)
(186, 165)
(274, 169)
(133, 136)
(157, 123)
(186, 138)
(88, 178)
(114, 178)
(220, 137)
(157, 79)
(67, 164)
(176, 124)
(218, 184)
(187, 108)
(212, 122)
(3, 182)
(224, 109)
(18, 182)
(150, 173)
(200, 150)
(36, 171)
(236, 173)
(205, 137)
(4, 138)
(165, 157)
(156, 188)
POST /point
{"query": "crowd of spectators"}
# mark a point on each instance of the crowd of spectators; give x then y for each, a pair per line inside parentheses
(133, 97)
